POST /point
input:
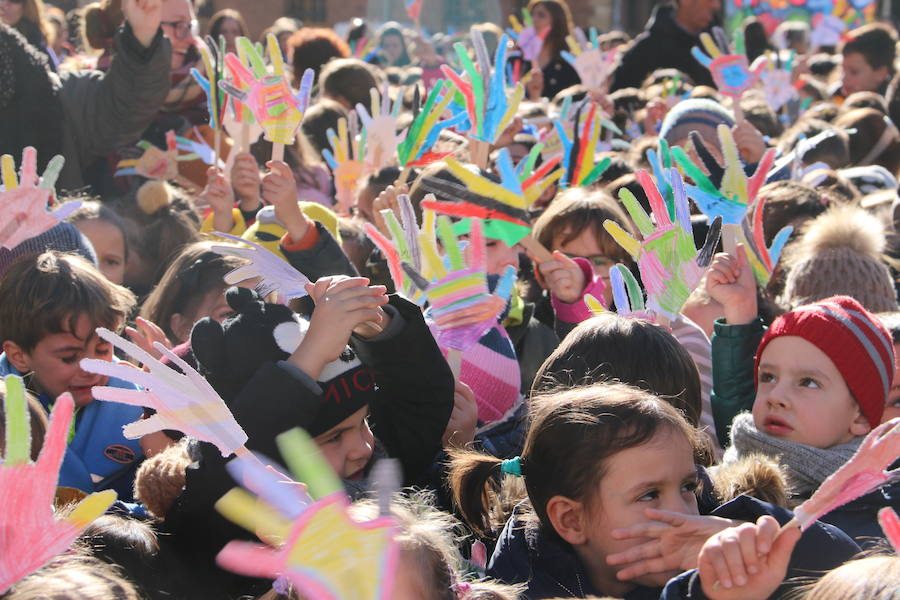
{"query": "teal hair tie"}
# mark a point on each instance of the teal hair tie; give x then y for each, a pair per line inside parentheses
(512, 466)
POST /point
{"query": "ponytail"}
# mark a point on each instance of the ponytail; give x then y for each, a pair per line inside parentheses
(475, 482)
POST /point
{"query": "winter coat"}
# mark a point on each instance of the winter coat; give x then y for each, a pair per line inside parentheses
(734, 390)
(663, 45)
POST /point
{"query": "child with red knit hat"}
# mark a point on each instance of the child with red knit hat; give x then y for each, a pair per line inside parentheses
(815, 384)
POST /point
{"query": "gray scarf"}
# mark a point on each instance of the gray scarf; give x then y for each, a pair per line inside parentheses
(806, 467)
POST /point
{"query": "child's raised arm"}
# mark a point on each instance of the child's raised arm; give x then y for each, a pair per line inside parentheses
(730, 282)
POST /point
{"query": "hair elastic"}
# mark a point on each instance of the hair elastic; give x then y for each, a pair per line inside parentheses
(512, 466)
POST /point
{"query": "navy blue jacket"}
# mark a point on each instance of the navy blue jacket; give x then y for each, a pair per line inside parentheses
(550, 567)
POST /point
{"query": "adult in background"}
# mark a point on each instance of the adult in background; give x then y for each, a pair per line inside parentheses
(85, 114)
(671, 32)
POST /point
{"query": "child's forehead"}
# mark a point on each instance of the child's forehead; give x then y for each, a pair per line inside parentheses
(797, 353)
(79, 326)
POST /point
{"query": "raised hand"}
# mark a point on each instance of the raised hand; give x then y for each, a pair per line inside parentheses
(462, 306)
(674, 542)
(30, 534)
(273, 273)
(563, 277)
(25, 199)
(426, 128)
(579, 150)
(220, 197)
(381, 137)
(319, 547)
(144, 17)
(527, 38)
(345, 163)
(183, 401)
(146, 335)
(592, 64)
(670, 264)
(730, 283)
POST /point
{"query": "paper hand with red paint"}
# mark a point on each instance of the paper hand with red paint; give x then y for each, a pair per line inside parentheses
(670, 264)
(25, 199)
(184, 401)
(462, 306)
(345, 162)
(30, 534)
(865, 472)
(320, 547)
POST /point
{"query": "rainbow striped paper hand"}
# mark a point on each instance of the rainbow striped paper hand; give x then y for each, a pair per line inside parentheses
(30, 534)
(670, 264)
(404, 245)
(488, 107)
(273, 272)
(426, 128)
(579, 162)
(183, 401)
(593, 65)
(345, 162)
(462, 307)
(319, 547)
(276, 107)
(25, 199)
(527, 38)
(865, 472)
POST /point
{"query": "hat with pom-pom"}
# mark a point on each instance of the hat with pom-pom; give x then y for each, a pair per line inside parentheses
(853, 338)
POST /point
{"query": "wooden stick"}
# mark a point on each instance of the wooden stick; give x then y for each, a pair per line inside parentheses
(729, 238)
(245, 137)
(278, 152)
(479, 152)
(454, 359)
(404, 174)
(535, 249)
(217, 141)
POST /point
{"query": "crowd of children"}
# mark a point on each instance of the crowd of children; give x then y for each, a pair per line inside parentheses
(632, 402)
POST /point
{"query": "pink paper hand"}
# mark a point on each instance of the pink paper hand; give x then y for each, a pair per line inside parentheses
(30, 534)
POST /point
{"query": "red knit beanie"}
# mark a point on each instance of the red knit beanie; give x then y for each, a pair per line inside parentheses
(855, 341)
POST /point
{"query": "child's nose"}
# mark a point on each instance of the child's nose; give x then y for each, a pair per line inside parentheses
(777, 396)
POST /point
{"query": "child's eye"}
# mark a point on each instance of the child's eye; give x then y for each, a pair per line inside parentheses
(648, 496)
(69, 359)
(690, 486)
(765, 377)
(809, 382)
(333, 439)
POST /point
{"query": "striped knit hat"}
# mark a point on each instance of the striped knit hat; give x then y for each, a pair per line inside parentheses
(855, 341)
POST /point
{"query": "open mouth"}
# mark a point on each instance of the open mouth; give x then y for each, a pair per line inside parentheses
(776, 426)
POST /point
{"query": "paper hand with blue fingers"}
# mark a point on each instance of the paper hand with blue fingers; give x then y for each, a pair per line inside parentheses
(30, 533)
(669, 263)
(593, 65)
(526, 37)
(273, 273)
(404, 244)
(416, 148)
(184, 401)
(214, 64)
(578, 162)
(197, 150)
(730, 72)
(462, 306)
(380, 130)
(26, 198)
(489, 108)
(627, 296)
(318, 546)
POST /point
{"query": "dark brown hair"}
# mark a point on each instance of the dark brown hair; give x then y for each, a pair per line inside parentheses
(349, 79)
(218, 19)
(570, 436)
(876, 42)
(46, 294)
(313, 47)
(870, 126)
(562, 23)
(624, 350)
(787, 203)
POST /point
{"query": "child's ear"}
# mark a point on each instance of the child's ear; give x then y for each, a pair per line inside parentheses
(860, 424)
(569, 519)
(17, 357)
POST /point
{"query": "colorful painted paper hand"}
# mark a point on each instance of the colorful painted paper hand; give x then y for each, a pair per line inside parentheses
(592, 64)
(239, 122)
(763, 259)
(535, 182)
(865, 472)
(627, 296)
(30, 534)
(827, 31)
(462, 307)
(183, 401)
(214, 65)
(197, 150)
(488, 107)
(670, 264)
(776, 76)
(413, 8)
(730, 72)
(527, 38)
(403, 246)
(415, 149)
(322, 549)
(24, 205)
(273, 272)
(890, 525)
(579, 152)
(380, 138)
(345, 162)
(155, 163)
(276, 107)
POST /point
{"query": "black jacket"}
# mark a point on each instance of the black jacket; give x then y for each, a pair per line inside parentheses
(551, 569)
(662, 45)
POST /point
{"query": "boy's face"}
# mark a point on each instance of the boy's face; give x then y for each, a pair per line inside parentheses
(892, 408)
(801, 396)
(55, 360)
(859, 76)
(348, 446)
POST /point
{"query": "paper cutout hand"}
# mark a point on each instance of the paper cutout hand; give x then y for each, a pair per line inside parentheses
(154, 163)
(214, 65)
(489, 109)
(30, 534)
(273, 272)
(890, 525)
(730, 72)
(776, 78)
(344, 161)
(578, 161)
(529, 41)
(323, 550)
(593, 65)
(865, 472)
(762, 259)
(413, 8)
(627, 295)
(404, 244)
(184, 401)
(24, 204)
(827, 31)
(426, 127)
(462, 307)
(670, 264)
(381, 137)
(197, 150)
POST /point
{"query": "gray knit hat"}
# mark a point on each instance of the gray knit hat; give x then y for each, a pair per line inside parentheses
(63, 237)
(839, 254)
